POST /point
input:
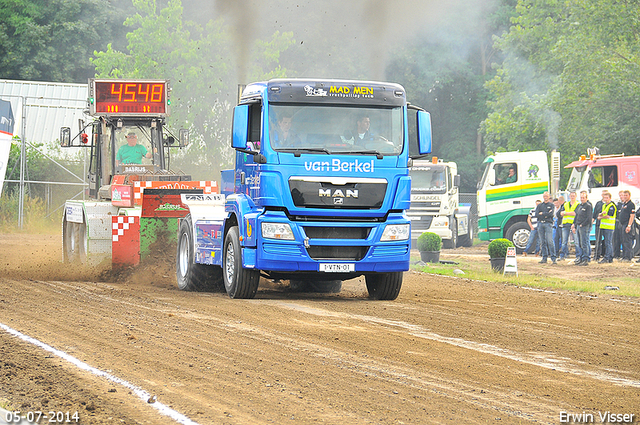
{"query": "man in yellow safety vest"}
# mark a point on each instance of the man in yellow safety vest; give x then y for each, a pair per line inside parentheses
(568, 214)
(607, 219)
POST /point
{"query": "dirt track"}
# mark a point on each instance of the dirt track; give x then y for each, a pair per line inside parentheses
(446, 351)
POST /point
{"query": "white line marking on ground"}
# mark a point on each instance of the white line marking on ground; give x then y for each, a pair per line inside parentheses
(142, 394)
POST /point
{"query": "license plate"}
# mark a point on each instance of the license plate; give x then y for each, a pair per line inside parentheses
(337, 267)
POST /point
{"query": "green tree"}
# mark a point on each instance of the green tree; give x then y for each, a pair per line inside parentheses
(52, 40)
(446, 76)
(570, 80)
(196, 61)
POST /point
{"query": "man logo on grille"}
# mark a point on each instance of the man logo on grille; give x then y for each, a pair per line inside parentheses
(338, 193)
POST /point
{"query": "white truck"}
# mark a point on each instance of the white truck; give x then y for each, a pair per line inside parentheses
(510, 185)
(435, 205)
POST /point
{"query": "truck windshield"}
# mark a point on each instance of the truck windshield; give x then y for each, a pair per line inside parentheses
(336, 129)
(482, 181)
(575, 179)
(430, 179)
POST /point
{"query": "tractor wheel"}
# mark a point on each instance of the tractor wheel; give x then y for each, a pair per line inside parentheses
(74, 242)
(238, 281)
(384, 286)
(192, 276)
(321, 286)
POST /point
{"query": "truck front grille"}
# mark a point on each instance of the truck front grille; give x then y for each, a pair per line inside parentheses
(350, 253)
(336, 232)
(423, 224)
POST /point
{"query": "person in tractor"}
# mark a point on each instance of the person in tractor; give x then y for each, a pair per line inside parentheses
(132, 152)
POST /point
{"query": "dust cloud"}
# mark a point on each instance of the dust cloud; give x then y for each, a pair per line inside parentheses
(336, 38)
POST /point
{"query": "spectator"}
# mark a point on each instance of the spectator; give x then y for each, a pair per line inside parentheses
(532, 221)
(627, 214)
(557, 225)
(545, 213)
(617, 242)
(599, 243)
(582, 226)
(568, 215)
(607, 219)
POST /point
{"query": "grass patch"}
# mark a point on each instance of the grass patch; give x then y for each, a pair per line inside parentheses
(481, 270)
(35, 219)
(4, 404)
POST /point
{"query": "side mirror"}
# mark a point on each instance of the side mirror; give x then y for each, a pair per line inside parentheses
(456, 180)
(240, 127)
(491, 177)
(65, 137)
(424, 132)
(183, 135)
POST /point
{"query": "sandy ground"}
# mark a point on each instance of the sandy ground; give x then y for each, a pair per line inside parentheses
(448, 350)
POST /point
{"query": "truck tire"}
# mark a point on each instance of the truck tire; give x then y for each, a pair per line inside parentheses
(467, 240)
(74, 242)
(384, 286)
(519, 233)
(453, 242)
(321, 286)
(192, 276)
(238, 281)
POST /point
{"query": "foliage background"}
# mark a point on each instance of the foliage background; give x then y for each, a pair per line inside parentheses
(495, 74)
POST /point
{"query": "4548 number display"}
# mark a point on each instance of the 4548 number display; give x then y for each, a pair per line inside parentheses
(50, 417)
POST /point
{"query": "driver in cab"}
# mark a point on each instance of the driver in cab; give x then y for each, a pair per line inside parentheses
(132, 152)
(284, 137)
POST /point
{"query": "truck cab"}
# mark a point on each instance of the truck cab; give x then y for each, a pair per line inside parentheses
(320, 186)
(435, 204)
(510, 185)
(595, 173)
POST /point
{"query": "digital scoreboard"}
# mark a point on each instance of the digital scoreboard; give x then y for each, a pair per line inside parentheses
(128, 97)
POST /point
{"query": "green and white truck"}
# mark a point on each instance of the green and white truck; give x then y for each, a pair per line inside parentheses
(505, 197)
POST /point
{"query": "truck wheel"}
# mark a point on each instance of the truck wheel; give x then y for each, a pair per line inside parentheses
(467, 240)
(384, 286)
(238, 281)
(74, 242)
(453, 242)
(192, 276)
(321, 286)
(519, 233)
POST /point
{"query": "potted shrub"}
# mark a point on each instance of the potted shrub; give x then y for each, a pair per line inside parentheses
(429, 245)
(498, 252)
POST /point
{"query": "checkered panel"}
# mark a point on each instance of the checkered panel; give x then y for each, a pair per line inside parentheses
(125, 245)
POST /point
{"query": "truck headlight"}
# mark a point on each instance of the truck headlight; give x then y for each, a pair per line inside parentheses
(395, 232)
(277, 231)
(440, 222)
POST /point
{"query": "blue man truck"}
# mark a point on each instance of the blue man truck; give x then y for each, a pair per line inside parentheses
(318, 194)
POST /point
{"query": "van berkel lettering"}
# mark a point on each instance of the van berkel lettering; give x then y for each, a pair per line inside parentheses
(338, 165)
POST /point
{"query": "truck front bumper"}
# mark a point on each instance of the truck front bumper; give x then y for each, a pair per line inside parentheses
(318, 245)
